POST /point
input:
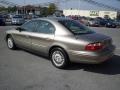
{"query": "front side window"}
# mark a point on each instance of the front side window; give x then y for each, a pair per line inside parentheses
(75, 27)
(29, 26)
(45, 27)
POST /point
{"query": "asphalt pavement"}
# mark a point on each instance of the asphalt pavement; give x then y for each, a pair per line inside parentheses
(22, 70)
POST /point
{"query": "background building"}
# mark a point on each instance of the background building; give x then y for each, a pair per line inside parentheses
(29, 9)
(90, 13)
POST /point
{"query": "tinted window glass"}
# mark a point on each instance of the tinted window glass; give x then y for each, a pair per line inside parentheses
(45, 27)
(29, 26)
(75, 27)
(1, 16)
(17, 16)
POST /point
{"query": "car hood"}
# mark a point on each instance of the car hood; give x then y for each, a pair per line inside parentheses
(94, 37)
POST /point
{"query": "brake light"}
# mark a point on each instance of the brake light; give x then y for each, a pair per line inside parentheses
(94, 46)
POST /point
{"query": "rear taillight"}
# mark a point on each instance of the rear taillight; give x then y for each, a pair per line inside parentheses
(94, 47)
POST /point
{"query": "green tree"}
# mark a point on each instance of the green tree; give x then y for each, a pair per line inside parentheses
(52, 8)
(3, 9)
(44, 11)
(12, 9)
(8, 9)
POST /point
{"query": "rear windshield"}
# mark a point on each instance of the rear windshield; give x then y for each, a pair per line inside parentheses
(75, 27)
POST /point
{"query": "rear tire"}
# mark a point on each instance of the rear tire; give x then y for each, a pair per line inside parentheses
(59, 58)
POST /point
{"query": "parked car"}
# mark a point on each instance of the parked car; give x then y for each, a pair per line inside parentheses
(93, 22)
(117, 22)
(17, 20)
(110, 24)
(35, 16)
(63, 40)
(102, 22)
(107, 23)
(2, 20)
(83, 20)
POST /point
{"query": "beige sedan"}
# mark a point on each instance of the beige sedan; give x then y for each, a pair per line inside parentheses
(63, 40)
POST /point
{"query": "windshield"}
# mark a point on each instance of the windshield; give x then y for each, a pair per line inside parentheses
(17, 16)
(75, 27)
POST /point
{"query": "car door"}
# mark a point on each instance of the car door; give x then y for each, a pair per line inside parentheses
(22, 38)
(43, 37)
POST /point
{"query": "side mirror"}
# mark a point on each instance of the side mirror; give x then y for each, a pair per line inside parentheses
(20, 29)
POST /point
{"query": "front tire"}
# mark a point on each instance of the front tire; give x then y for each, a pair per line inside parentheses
(59, 58)
(10, 43)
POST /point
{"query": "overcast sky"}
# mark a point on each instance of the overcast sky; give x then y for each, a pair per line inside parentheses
(78, 4)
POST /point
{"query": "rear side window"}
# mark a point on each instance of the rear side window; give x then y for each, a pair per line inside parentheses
(45, 27)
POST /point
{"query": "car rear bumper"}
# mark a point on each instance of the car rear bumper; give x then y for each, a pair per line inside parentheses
(91, 57)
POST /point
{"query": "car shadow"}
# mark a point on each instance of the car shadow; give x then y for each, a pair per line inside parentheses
(110, 67)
